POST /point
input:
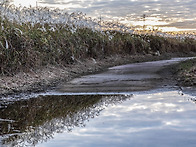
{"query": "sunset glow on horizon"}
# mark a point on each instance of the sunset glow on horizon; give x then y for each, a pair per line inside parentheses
(164, 15)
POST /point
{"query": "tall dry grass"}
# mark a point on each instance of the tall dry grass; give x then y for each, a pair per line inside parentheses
(34, 43)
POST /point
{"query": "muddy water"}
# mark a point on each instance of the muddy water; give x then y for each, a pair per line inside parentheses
(162, 116)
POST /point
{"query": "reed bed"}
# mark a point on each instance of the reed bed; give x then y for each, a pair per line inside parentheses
(32, 38)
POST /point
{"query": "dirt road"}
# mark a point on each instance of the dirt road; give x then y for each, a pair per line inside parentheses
(125, 78)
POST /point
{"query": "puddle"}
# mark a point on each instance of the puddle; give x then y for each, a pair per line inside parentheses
(165, 118)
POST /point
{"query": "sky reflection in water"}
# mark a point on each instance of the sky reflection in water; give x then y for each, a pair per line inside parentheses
(148, 119)
(160, 119)
(169, 15)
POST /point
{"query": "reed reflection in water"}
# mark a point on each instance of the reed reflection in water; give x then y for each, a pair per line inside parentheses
(29, 122)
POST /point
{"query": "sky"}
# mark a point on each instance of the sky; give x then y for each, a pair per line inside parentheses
(167, 15)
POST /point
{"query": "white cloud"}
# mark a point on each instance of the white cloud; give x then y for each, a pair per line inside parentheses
(166, 10)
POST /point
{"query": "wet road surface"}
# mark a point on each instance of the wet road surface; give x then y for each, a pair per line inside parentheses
(125, 78)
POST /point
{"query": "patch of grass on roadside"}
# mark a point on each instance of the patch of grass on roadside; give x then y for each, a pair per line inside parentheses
(186, 72)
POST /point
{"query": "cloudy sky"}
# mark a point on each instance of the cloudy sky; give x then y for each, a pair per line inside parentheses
(165, 14)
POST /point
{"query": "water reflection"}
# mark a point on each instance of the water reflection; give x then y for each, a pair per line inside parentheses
(157, 119)
(163, 118)
(28, 122)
